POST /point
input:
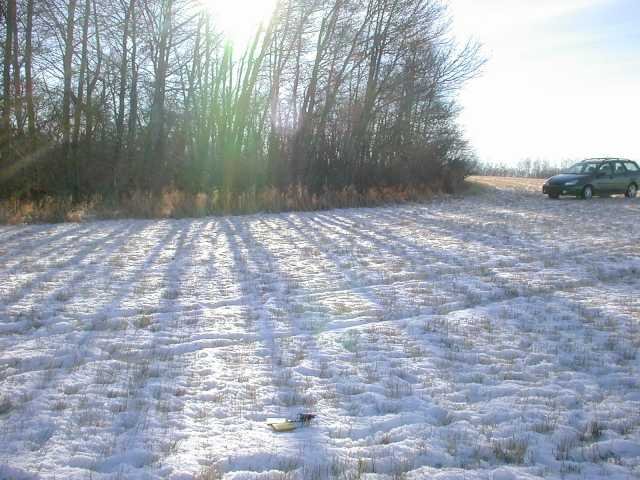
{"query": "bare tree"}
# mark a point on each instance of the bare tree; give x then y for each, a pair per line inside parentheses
(10, 27)
(124, 65)
(68, 72)
(28, 70)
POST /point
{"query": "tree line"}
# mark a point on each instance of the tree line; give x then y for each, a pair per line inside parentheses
(114, 96)
(529, 168)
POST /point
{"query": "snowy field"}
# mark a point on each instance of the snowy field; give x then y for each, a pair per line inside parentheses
(492, 337)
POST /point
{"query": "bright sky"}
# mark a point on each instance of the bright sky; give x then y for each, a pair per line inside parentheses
(239, 19)
(562, 79)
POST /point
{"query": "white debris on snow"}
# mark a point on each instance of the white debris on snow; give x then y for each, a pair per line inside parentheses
(491, 337)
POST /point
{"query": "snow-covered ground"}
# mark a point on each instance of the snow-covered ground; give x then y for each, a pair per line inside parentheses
(489, 337)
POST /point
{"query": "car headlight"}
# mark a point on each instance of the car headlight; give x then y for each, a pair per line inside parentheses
(571, 183)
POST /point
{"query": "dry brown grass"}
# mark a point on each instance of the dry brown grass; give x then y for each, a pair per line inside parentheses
(529, 184)
(179, 204)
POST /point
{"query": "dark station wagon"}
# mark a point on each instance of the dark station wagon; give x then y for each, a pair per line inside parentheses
(596, 176)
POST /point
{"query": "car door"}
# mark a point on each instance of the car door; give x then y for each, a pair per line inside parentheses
(603, 181)
(633, 172)
(620, 177)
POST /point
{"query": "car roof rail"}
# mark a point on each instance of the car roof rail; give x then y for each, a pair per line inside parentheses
(605, 159)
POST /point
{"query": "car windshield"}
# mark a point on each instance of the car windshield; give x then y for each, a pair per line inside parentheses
(583, 167)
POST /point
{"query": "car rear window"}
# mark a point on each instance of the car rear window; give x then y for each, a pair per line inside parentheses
(632, 167)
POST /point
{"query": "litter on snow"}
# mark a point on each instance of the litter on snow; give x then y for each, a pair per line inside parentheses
(286, 424)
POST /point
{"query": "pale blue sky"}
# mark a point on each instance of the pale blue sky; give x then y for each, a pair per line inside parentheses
(562, 78)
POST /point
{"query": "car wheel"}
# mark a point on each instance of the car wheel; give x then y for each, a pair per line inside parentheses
(587, 192)
(554, 196)
(632, 191)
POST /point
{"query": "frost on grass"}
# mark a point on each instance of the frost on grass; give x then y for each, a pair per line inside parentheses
(491, 337)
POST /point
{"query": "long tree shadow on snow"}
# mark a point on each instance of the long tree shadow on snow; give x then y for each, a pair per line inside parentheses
(268, 288)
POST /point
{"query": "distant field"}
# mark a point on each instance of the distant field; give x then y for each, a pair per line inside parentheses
(493, 337)
(528, 184)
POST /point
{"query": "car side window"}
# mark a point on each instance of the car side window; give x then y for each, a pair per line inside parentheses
(620, 170)
(631, 167)
(605, 169)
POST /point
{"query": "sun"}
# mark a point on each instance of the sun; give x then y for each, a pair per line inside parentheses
(239, 20)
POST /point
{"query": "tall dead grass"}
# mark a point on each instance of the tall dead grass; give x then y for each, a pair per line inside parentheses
(180, 204)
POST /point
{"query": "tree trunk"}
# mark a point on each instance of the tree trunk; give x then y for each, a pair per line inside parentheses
(10, 16)
(133, 94)
(157, 141)
(77, 118)
(91, 85)
(68, 74)
(17, 84)
(77, 112)
(123, 91)
(28, 62)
